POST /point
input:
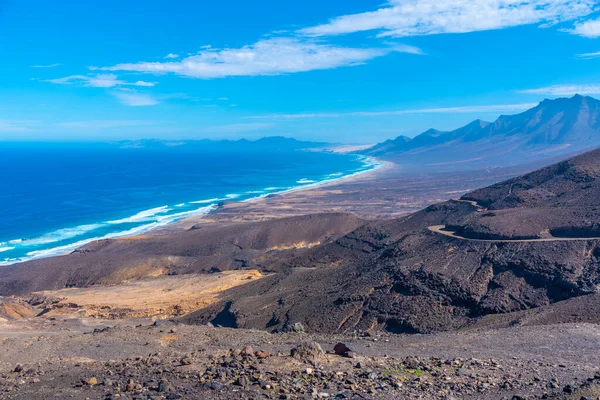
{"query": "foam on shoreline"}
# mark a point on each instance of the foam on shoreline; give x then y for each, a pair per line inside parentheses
(157, 217)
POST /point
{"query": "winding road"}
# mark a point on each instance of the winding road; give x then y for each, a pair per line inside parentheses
(441, 230)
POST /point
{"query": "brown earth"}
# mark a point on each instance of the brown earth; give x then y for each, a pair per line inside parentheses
(358, 280)
(399, 276)
(160, 297)
(206, 247)
(168, 361)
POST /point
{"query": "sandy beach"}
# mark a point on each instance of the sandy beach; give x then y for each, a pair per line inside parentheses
(385, 192)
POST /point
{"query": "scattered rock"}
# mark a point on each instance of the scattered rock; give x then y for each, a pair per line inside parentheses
(340, 349)
(163, 386)
(91, 381)
(187, 360)
(247, 351)
(261, 355)
(310, 352)
(296, 327)
(243, 381)
(411, 363)
(569, 389)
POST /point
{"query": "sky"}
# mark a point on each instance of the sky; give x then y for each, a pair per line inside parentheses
(352, 71)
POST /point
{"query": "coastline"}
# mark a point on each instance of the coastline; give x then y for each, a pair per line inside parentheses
(194, 216)
(379, 166)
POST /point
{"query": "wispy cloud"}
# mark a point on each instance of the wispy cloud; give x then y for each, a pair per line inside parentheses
(120, 128)
(17, 126)
(171, 56)
(589, 55)
(46, 66)
(403, 48)
(589, 29)
(266, 57)
(236, 128)
(402, 18)
(105, 124)
(444, 110)
(135, 99)
(98, 81)
(565, 90)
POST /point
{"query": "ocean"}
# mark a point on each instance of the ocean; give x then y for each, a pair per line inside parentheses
(58, 197)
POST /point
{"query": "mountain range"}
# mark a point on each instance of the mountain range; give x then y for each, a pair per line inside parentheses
(554, 128)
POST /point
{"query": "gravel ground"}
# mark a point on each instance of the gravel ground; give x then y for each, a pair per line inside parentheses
(172, 361)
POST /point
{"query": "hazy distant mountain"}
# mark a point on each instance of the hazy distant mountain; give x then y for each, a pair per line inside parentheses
(271, 143)
(553, 128)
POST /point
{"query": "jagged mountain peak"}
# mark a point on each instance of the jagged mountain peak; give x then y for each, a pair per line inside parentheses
(557, 126)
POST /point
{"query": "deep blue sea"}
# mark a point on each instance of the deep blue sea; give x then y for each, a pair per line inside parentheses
(57, 197)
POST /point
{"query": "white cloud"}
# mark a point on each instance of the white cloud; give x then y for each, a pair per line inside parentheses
(104, 124)
(565, 90)
(98, 80)
(427, 17)
(171, 55)
(589, 55)
(590, 29)
(135, 99)
(265, 57)
(445, 110)
(403, 48)
(142, 83)
(46, 66)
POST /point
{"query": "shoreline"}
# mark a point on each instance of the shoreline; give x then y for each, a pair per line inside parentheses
(186, 223)
(377, 165)
(372, 163)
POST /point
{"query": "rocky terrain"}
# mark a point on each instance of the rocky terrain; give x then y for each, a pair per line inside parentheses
(325, 305)
(204, 247)
(401, 277)
(169, 361)
(559, 200)
(337, 273)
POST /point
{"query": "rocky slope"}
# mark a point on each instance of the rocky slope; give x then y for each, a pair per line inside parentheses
(557, 201)
(206, 247)
(401, 277)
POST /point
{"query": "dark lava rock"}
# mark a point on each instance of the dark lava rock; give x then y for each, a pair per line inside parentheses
(163, 386)
(341, 349)
(186, 360)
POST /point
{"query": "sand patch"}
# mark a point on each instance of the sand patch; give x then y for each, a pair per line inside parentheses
(294, 246)
(159, 297)
(10, 310)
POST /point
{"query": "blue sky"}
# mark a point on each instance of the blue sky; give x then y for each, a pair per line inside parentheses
(345, 71)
